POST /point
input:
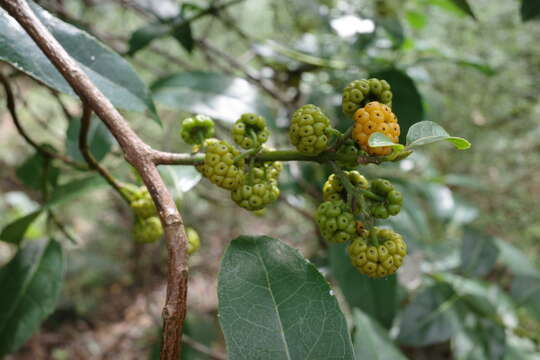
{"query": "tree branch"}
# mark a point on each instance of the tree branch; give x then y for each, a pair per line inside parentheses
(138, 154)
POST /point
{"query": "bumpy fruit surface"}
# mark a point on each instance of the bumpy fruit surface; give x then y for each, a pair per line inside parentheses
(333, 188)
(142, 204)
(360, 92)
(219, 166)
(392, 199)
(308, 131)
(348, 154)
(335, 221)
(375, 117)
(378, 254)
(250, 131)
(194, 241)
(147, 230)
(260, 187)
(194, 130)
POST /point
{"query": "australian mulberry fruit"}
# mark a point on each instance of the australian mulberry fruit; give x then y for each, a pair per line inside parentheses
(260, 187)
(142, 204)
(219, 166)
(250, 131)
(375, 117)
(348, 154)
(392, 199)
(308, 131)
(379, 253)
(147, 230)
(335, 221)
(194, 242)
(194, 130)
(360, 92)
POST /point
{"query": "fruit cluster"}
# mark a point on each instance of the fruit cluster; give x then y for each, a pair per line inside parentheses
(336, 222)
(260, 187)
(375, 117)
(147, 226)
(391, 202)
(250, 131)
(360, 92)
(194, 130)
(309, 130)
(219, 165)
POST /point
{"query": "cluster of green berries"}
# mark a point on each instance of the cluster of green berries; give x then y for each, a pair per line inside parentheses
(333, 188)
(348, 154)
(378, 253)
(147, 226)
(194, 130)
(219, 165)
(335, 221)
(260, 188)
(309, 130)
(250, 131)
(392, 199)
(360, 92)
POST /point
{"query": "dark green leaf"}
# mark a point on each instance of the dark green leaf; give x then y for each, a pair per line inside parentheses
(478, 253)
(465, 7)
(107, 70)
(99, 140)
(526, 292)
(430, 318)
(14, 231)
(30, 284)
(450, 6)
(31, 172)
(213, 94)
(406, 102)
(428, 132)
(530, 9)
(143, 36)
(183, 34)
(274, 304)
(376, 297)
(484, 340)
(371, 341)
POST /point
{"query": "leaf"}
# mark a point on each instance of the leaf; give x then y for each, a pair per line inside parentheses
(406, 101)
(484, 340)
(378, 139)
(453, 6)
(430, 318)
(428, 132)
(393, 27)
(478, 253)
(98, 138)
(417, 20)
(30, 284)
(182, 33)
(67, 191)
(371, 341)
(213, 94)
(530, 9)
(274, 304)
(14, 232)
(31, 172)
(515, 259)
(376, 297)
(143, 36)
(526, 292)
(465, 7)
(108, 71)
(183, 178)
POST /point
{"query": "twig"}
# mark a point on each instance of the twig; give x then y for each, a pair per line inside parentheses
(90, 159)
(62, 228)
(12, 108)
(138, 154)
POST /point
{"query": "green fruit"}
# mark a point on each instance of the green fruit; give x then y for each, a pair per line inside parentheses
(395, 197)
(348, 155)
(381, 186)
(194, 130)
(147, 230)
(219, 166)
(334, 190)
(379, 211)
(250, 131)
(194, 242)
(308, 131)
(336, 223)
(360, 92)
(393, 209)
(142, 204)
(257, 195)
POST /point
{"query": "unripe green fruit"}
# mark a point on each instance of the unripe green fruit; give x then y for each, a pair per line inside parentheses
(250, 131)
(336, 223)
(381, 186)
(308, 131)
(194, 242)
(392, 199)
(348, 154)
(360, 92)
(219, 166)
(147, 230)
(194, 130)
(142, 204)
(257, 196)
(334, 190)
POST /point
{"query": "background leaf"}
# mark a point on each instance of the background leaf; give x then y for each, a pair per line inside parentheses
(14, 232)
(378, 139)
(526, 292)
(99, 139)
(182, 178)
(465, 7)
(213, 94)
(107, 70)
(30, 284)
(530, 9)
(274, 304)
(31, 172)
(478, 253)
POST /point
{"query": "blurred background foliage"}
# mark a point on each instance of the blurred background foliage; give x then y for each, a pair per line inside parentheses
(470, 286)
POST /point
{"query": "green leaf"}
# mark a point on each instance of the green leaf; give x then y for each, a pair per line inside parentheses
(454, 6)
(378, 139)
(213, 94)
(371, 341)
(417, 20)
(31, 172)
(182, 178)
(430, 318)
(406, 101)
(517, 261)
(274, 304)
(465, 7)
(530, 9)
(526, 292)
(428, 132)
(99, 140)
(376, 297)
(482, 340)
(182, 33)
(478, 253)
(108, 71)
(30, 284)
(68, 191)
(14, 232)
(143, 36)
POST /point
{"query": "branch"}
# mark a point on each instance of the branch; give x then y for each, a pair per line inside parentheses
(138, 154)
(12, 108)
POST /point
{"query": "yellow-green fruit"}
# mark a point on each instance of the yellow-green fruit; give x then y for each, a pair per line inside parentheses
(360, 92)
(308, 131)
(147, 230)
(250, 131)
(219, 166)
(335, 221)
(378, 254)
(334, 190)
(257, 196)
(194, 130)
(142, 204)
(194, 242)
